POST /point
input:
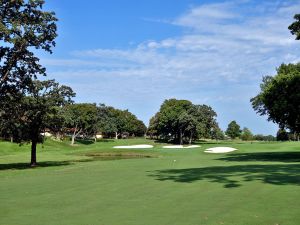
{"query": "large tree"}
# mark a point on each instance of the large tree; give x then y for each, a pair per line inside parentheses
(24, 27)
(106, 120)
(246, 134)
(282, 135)
(279, 98)
(233, 130)
(111, 120)
(35, 111)
(152, 130)
(181, 121)
(295, 27)
(187, 125)
(206, 121)
(81, 119)
(217, 133)
(171, 120)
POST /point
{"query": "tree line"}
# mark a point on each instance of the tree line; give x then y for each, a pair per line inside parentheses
(88, 120)
(180, 121)
(61, 117)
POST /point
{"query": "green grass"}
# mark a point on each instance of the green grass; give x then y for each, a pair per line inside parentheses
(259, 185)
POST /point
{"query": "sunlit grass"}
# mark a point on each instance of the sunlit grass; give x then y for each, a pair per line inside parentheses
(258, 184)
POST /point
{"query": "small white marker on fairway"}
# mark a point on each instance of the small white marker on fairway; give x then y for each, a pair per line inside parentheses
(174, 160)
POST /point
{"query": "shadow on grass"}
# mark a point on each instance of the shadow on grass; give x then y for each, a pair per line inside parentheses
(105, 140)
(94, 156)
(263, 156)
(22, 166)
(234, 176)
(85, 141)
(162, 141)
(92, 141)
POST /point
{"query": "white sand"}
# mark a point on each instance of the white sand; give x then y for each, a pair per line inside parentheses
(134, 146)
(192, 146)
(181, 146)
(220, 150)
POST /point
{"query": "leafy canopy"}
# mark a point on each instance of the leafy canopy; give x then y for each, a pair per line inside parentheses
(246, 134)
(111, 120)
(178, 120)
(233, 130)
(295, 27)
(279, 98)
(24, 26)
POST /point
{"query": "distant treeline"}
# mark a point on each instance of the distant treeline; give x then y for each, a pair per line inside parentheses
(78, 120)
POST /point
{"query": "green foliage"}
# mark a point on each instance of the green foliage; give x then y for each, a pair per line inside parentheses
(217, 133)
(111, 120)
(153, 126)
(180, 120)
(246, 135)
(207, 126)
(81, 119)
(280, 97)
(282, 135)
(23, 28)
(233, 130)
(127, 122)
(35, 111)
(295, 27)
(260, 137)
(106, 119)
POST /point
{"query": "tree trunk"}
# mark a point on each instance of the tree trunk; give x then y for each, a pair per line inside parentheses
(11, 139)
(33, 153)
(75, 135)
(180, 137)
(116, 137)
(191, 136)
(73, 139)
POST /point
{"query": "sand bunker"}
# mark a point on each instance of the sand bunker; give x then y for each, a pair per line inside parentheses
(134, 146)
(181, 146)
(220, 150)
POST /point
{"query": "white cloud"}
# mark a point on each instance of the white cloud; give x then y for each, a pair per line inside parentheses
(198, 17)
(235, 21)
(222, 45)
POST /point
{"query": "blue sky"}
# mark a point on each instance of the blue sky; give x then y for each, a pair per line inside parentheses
(134, 54)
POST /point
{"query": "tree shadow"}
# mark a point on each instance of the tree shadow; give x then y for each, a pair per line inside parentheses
(287, 157)
(105, 140)
(85, 141)
(163, 141)
(22, 166)
(95, 156)
(234, 176)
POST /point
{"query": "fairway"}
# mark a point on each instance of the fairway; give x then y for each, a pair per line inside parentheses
(149, 112)
(258, 184)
